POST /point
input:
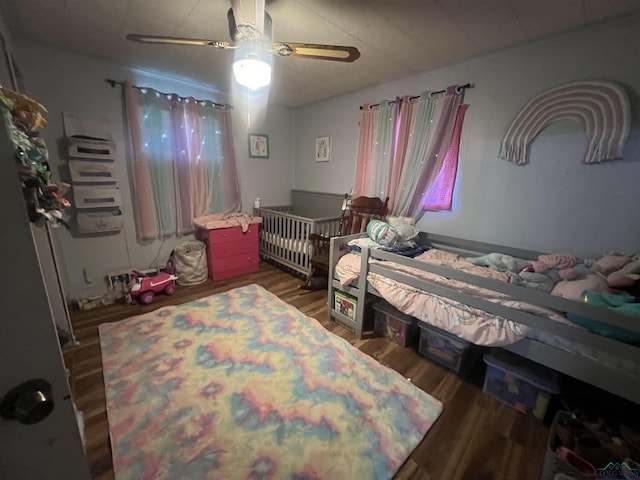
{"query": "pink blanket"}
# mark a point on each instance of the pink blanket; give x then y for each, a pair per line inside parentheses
(225, 220)
(472, 324)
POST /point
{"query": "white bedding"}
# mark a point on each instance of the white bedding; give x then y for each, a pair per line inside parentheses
(296, 245)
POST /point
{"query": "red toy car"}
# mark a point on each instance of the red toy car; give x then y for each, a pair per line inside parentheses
(143, 288)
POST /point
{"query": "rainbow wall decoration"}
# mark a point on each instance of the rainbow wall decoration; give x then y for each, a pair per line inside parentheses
(602, 108)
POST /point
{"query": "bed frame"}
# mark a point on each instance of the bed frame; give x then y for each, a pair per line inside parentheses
(574, 365)
(284, 232)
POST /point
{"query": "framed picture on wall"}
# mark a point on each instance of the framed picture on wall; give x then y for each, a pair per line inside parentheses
(258, 145)
(323, 149)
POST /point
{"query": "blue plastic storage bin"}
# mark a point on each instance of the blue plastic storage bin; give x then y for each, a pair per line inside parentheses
(393, 324)
(444, 348)
(520, 383)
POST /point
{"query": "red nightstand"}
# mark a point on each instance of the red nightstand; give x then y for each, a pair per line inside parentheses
(230, 251)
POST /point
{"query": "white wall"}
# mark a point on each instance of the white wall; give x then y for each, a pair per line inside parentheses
(66, 82)
(552, 204)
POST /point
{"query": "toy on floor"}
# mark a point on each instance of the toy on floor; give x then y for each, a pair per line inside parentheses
(143, 288)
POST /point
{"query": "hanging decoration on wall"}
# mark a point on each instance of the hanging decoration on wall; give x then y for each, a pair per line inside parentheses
(92, 164)
(23, 118)
(601, 107)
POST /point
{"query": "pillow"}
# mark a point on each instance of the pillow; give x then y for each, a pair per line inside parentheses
(573, 289)
(406, 231)
(393, 220)
(382, 233)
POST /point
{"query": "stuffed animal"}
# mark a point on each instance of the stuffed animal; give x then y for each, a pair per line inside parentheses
(610, 271)
(499, 262)
(613, 265)
(537, 281)
(618, 301)
(562, 262)
(626, 276)
(610, 263)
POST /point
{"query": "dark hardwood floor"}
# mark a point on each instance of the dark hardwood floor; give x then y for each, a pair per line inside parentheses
(476, 437)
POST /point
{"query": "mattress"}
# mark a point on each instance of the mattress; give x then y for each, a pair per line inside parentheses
(469, 323)
(472, 324)
(297, 245)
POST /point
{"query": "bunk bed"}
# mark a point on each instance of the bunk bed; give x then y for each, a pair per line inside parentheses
(560, 345)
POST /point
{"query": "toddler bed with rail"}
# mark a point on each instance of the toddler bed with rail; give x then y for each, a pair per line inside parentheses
(481, 306)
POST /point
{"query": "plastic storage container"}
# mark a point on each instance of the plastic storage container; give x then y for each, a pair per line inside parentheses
(520, 383)
(444, 348)
(394, 325)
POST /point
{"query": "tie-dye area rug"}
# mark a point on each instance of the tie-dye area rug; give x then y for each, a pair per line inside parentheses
(243, 385)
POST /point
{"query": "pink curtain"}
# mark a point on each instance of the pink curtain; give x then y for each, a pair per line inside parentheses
(184, 163)
(429, 141)
(440, 195)
(421, 135)
(142, 188)
(366, 144)
(403, 129)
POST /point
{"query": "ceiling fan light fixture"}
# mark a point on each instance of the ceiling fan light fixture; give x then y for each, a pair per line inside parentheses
(252, 72)
(251, 29)
(249, 18)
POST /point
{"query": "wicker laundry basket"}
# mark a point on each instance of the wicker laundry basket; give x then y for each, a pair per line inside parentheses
(191, 263)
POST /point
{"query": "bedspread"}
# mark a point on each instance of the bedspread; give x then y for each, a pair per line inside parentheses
(469, 323)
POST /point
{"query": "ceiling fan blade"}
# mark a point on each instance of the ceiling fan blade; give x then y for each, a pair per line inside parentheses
(337, 53)
(180, 41)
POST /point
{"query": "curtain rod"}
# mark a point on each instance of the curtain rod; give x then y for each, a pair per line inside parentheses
(458, 87)
(113, 84)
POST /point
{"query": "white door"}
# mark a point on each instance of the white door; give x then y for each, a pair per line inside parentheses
(50, 448)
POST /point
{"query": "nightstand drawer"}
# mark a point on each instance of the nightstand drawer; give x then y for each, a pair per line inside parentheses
(220, 265)
(231, 249)
(234, 234)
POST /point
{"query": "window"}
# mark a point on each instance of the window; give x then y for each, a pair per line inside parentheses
(183, 162)
(410, 150)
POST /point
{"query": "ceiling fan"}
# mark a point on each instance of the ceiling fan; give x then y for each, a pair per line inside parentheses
(250, 29)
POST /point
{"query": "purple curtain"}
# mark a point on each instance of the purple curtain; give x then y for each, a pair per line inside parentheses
(440, 194)
(431, 132)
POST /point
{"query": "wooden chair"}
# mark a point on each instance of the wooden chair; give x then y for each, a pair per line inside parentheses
(356, 214)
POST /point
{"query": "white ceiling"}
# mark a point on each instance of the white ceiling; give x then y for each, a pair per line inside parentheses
(396, 38)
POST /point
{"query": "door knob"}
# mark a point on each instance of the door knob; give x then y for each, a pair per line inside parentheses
(28, 403)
